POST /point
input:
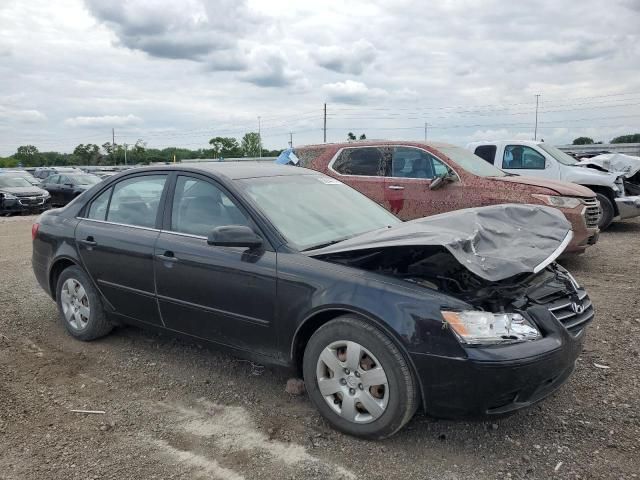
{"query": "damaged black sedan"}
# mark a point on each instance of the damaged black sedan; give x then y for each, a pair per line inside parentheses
(461, 314)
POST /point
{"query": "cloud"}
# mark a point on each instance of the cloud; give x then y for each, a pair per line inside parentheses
(577, 51)
(21, 115)
(351, 59)
(270, 68)
(103, 121)
(351, 91)
(200, 30)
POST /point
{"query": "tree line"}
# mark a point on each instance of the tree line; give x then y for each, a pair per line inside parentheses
(138, 153)
(633, 138)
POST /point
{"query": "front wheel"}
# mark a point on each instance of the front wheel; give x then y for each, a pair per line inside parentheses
(607, 212)
(358, 379)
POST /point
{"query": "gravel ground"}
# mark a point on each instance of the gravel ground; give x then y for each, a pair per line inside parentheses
(176, 410)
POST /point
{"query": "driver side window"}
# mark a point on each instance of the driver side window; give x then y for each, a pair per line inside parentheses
(522, 157)
(408, 162)
(200, 206)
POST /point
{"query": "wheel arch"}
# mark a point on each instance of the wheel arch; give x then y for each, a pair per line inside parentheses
(320, 317)
(58, 266)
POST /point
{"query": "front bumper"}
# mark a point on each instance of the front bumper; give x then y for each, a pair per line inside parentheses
(498, 380)
(628, 207)
(583, 235)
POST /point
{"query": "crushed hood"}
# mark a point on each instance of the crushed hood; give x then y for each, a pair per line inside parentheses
(626, 165)
(495, 242)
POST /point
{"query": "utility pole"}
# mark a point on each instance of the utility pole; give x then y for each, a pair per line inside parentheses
(325, 123)
(113, 144)
(290, 139)
(426, 126)
(259, 138)
(535, 133)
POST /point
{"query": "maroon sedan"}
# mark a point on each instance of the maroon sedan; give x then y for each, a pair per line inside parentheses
(416, 179)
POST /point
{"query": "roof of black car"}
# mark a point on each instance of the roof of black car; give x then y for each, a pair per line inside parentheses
(238, 170)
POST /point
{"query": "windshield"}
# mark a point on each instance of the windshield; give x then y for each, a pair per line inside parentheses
(311, 211)
(84, 179)
(13, 182)
(558, 154)
(470, 162)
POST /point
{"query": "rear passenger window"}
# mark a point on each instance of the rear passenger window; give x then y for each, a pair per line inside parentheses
(486, 152)
(98, 208)
(200, 206)
(366, 161)
(136, 201)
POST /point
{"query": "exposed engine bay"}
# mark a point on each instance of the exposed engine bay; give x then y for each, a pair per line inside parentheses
(436, 268)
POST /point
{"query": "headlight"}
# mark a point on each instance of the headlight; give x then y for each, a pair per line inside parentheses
(46, 194)
(561, 202)
(485, 328)
(8, 196)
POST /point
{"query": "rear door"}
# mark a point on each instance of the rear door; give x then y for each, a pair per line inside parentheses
(407, 185)
(116, 240)
(222, 294)
(363, 168)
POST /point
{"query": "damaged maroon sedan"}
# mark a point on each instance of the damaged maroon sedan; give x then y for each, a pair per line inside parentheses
(460, 314)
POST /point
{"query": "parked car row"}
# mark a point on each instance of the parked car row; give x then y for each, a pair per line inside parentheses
(463, 313)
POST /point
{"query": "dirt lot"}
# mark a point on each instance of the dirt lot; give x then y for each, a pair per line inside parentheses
(177, 410)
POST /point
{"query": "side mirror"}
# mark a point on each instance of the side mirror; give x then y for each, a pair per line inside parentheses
(234, 236)
(437, 183)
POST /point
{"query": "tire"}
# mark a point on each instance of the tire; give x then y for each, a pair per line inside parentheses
(395, 402)
(608, 212)
(80, 306)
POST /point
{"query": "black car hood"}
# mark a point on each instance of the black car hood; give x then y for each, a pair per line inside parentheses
(495, 242)
(23, 191)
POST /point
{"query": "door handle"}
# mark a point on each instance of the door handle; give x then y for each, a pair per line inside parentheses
(395, 187)
(89, 242)
(167, 257)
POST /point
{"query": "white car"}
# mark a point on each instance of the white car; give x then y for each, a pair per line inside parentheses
(540, 159)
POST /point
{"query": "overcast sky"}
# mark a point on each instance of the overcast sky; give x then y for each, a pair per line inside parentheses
(176, 73)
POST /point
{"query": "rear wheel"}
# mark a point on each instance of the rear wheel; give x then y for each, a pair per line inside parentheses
(358, 379)
(80, 306)
(607, 211)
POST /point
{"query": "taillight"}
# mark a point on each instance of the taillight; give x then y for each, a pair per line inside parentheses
(34, 230)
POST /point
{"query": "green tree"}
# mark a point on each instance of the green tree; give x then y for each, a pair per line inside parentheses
(635, 138)
(138, 152)
(583, 141)
(351, 136)
(227, 147)
(88, 154)
(251, 144)
(363, 137)
(28, 155)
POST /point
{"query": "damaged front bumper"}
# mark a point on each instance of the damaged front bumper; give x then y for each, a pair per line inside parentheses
(500, 379)
(628, 207)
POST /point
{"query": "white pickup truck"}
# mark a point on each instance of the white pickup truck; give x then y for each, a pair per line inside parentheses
(539, 159)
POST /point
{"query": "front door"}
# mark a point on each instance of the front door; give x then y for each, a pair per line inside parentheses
(116, 242)
(222, 294)
(407, 189)
(524, 160)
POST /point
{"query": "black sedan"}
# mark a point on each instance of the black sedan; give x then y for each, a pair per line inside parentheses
(64, 187)
(18, 195)
(288, 266)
